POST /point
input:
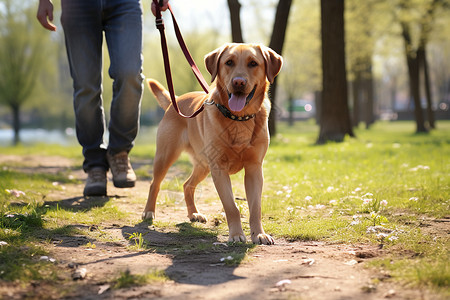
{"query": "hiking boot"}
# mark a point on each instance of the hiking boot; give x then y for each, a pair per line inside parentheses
(95, 182)
(123, 174)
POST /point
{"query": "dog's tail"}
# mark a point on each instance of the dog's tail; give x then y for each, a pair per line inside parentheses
(161, 94)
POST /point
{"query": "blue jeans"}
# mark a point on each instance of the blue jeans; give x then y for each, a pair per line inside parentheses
(84, 22)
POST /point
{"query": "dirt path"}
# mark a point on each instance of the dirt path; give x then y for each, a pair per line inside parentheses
(198, 267)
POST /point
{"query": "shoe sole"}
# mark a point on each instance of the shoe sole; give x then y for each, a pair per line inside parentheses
(124, 184)
(98, 192)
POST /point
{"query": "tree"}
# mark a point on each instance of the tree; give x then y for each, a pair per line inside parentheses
(20, 56)
(335, 121)
(276, 44)
(411, 15)
(362, 22)
(236, 31)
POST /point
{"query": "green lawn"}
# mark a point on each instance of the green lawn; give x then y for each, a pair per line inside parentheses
(377, 188)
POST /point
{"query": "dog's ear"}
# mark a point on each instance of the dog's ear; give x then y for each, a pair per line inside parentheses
(273, 62)
(212, 61)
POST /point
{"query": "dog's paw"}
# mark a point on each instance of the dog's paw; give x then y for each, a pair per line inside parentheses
(263, 239)
(148, 215)
(237, 238)
(198, 217)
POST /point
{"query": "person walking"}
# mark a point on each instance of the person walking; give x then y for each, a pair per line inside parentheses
(85, 22)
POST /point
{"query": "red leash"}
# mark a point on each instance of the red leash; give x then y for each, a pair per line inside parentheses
(197, 73)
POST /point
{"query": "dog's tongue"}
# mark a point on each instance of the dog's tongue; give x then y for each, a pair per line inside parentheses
(237, 103)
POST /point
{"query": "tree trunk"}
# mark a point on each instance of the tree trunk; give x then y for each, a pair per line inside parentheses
(318, 101)
(369, 116)
(393, 94)
(356, 88)
(414, 88)
(236, 31)
(412, 62)
(276, 44)
(335, 121)
(16, 124)
(422, 56)
(291, 111)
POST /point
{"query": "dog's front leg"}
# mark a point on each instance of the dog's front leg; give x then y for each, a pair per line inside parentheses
(253, 189)
(223, 186)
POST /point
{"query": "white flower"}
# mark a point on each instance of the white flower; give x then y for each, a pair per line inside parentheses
(308, 198)
(382, 235)
(15, 193)
(355, 222)
(413, 199)
(290, 209)
(366, 200)
(330, 189)
(371, 229)
(3, 243)
(384, 202)
(333, 202)
(279, 193)
(226, 258)
(393, 238)
(357, 190)
(419, 167)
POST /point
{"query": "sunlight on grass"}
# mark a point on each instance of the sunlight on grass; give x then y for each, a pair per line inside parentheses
(368, 189)
(44, 149)
(94, 215)
(379, 188)
(126, 279)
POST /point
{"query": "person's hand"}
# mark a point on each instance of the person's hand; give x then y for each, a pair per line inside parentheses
(45, 14)
(163, 7)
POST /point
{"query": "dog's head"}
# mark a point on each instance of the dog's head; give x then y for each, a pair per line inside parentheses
(243, 70)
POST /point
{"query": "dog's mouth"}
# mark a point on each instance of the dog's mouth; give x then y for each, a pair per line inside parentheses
(237, 101)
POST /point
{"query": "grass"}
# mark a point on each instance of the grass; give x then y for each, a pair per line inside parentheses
(378, 188)
(126, 279)
(385, 177)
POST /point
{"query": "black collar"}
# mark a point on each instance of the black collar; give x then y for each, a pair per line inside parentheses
(228, 114)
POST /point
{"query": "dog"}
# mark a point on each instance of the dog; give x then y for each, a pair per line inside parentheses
(230, 134)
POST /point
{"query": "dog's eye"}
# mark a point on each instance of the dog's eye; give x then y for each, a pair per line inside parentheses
(253, 64)
(229, 62)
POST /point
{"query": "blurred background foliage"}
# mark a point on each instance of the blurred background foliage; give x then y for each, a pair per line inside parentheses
(35, 79)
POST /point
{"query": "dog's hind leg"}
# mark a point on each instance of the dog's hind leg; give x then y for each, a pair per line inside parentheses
(198, 174)
(164, 158)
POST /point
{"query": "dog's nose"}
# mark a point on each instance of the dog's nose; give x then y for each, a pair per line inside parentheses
(239, 82)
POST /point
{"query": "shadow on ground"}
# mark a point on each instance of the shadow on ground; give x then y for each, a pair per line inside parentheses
(198, 257)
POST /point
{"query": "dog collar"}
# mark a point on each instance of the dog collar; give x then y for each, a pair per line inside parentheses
(227, 113)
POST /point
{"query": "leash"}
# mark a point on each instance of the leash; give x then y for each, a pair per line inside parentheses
(197, 73)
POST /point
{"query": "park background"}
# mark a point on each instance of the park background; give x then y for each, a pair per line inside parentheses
(386, 42)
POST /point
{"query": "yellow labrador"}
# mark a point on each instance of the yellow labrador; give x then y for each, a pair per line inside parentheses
(231, 133)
